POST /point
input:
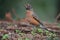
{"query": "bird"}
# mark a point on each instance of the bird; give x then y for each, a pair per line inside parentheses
(58, 18)
(33, 19)
(8, 16)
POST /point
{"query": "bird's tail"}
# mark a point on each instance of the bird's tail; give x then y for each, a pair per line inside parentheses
(45, 28)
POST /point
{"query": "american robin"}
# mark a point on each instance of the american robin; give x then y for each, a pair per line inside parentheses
(8, 17)
(33, 18)
(58, 18)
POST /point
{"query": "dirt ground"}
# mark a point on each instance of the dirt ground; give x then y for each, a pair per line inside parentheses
(14, 31)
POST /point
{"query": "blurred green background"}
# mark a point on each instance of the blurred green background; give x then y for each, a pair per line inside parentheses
(45, 9)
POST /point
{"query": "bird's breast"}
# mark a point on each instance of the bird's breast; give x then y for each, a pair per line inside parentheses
(33, 21)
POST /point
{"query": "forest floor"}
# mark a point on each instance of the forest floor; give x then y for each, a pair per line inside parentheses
(13, 31)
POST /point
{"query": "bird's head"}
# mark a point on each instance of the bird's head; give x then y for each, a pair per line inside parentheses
(28, 7)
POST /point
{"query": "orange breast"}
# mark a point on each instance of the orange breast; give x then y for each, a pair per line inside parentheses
(8, 15)
(30, 18)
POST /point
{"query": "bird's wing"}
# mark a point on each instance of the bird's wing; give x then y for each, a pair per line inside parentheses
(36, 17)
